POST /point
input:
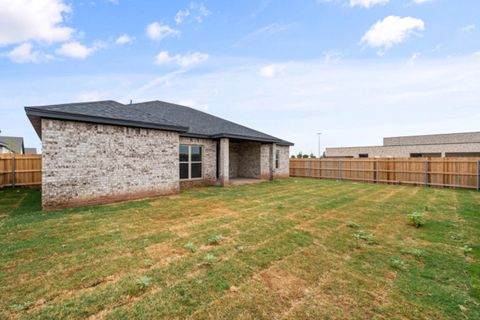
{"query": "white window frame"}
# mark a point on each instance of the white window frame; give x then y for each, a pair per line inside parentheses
(190, 162)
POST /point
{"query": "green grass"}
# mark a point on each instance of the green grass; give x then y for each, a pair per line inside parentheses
(292, 249)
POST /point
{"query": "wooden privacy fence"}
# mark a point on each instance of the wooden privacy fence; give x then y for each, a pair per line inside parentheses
(20, 170)
(442, 172)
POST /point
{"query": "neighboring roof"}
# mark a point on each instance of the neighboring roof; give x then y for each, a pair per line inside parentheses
(15, 144)
(30, 150)
(154, 115)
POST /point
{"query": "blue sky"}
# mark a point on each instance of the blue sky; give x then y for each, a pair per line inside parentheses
(356, 70)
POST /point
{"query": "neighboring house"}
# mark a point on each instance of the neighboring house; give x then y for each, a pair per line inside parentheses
(99, 152)
(11, 145)
(465, 144)
(30, 150)
(4, 148)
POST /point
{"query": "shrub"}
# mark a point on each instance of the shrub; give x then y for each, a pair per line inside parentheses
(144, 281)
(191, 247)
(367, 237)
(215, 240)
(312, 156)
(300, 155)
(280, 206)
(413, 252)
(466, 249)
(417, 219)
(209, 259)
(305, 156)
(398, 264)
(352, 225)
(240, 248)
(22, 306)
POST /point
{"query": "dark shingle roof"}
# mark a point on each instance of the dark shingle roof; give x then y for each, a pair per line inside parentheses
(152, 114)
(15, 144)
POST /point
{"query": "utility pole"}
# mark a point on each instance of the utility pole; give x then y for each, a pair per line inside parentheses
(319, 145)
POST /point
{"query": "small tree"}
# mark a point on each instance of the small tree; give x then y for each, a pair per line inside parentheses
(300, 155)
(292, 156)
(305, 156)
(312, 156)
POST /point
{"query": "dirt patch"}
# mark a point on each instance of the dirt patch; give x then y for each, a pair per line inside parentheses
(163, 253)
(283, 283)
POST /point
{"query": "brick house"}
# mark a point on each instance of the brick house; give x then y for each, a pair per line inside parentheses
(105, 151)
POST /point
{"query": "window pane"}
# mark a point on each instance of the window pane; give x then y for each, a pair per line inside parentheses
(196, 170)
(183, 170)
(183, 153)
(196, 153)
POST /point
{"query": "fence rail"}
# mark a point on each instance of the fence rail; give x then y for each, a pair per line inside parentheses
(441, 172)
(20, 170)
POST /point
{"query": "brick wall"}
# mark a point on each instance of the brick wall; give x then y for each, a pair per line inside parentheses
(209, 162)
(244, 159)
(87, 163)
(283, 169)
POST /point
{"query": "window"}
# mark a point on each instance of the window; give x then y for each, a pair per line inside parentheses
(190, 162)
(277, 158)
(363, 155)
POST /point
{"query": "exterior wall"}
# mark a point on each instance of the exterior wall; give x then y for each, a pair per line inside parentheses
(209, 162)
(244, 159)
(86, 163)
(265, 161)
(402, 151)
(283, 169)
(456, 138)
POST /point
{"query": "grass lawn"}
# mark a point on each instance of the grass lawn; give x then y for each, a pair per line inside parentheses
(293, 249)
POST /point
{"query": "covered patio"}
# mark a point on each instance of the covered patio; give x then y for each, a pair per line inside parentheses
(244, 161)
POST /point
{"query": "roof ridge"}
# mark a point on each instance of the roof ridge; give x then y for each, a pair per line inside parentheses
(211, 115)
(74, 103)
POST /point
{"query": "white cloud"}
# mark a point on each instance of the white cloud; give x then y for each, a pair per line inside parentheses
(75, 49)
(197, 11)
(421, 1)
(414, 58)
(157, 31)
(124, 39)
(392, 30)
(186, 60)
(181, 15)
(24, 54)
(367, 3)
(272, 70)
(469, 28)
(27, 20)
(262, 33)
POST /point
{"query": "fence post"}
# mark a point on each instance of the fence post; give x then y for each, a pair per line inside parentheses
(426, 172)
(13, 172)
(478, 175)
(377, 173)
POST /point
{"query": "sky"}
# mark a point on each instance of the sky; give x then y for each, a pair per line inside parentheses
(354, 70)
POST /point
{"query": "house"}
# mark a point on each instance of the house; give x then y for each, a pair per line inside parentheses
(30, 150)
(105, 151)
(466, 144)
(11, 145)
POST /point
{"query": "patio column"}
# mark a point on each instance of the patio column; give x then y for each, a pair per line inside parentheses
(223, 162)
(271, 160)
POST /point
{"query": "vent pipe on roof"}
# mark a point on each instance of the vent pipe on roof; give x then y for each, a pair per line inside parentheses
(130, 101)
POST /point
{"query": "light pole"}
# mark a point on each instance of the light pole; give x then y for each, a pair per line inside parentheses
(319, 146)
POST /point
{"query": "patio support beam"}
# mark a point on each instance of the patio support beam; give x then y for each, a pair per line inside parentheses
(223, 162)
(271, 160)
